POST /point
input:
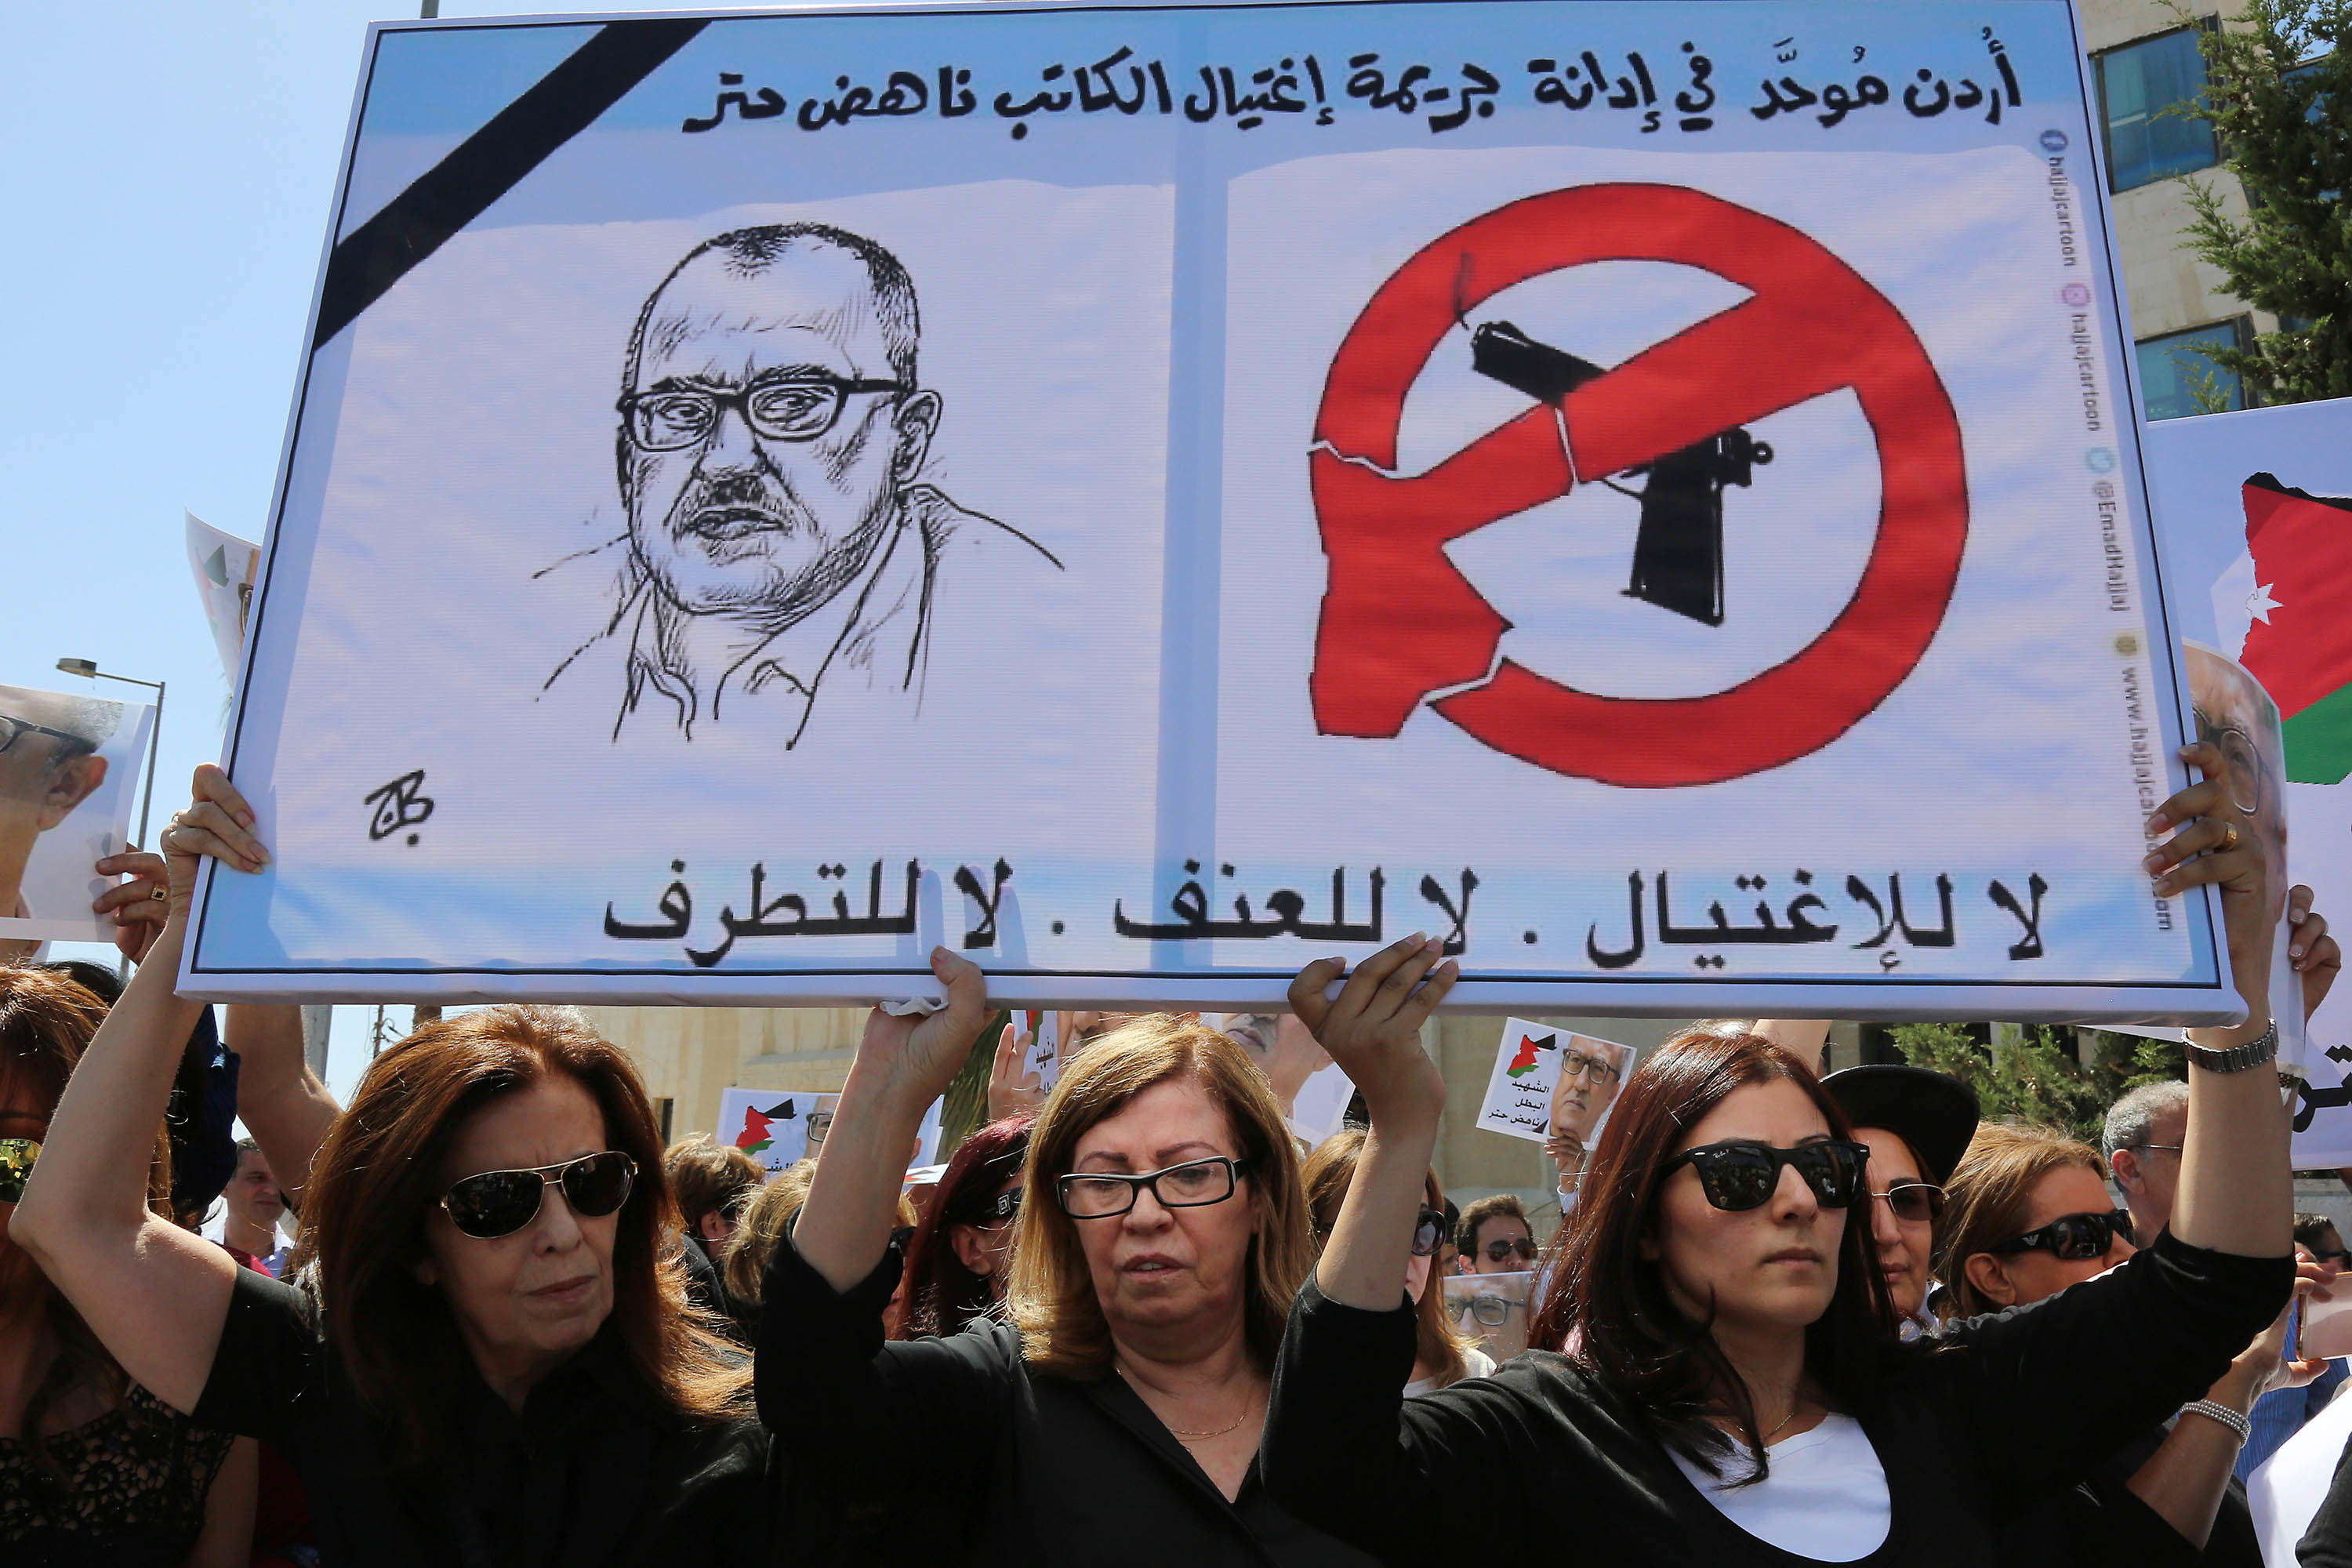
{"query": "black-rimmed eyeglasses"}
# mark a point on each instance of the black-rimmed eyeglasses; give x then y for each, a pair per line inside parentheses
(795, 408)
(1092, 1195)
(2076, 1237)
(1598, 1069)
(12, 728)
(1004, 1205)
(500, 1202)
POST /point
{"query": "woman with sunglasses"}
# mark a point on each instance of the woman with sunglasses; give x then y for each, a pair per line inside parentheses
(1441, 1356)
(1161, 1236)
(1732, 1390)
(496, 1364)
(960, 1257)
(2031, 1215)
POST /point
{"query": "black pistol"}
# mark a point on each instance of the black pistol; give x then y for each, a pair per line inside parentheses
(1678, 552)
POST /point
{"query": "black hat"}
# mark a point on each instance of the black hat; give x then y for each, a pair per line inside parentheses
(1935, 1114)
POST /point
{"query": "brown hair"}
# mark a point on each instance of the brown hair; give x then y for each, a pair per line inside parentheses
(1052, 1298)
(379, 1174)
(707, 1177)
(1608, 1306)
(1330, 1171)
(47, 1021)
(1988, 1197)
(766, 1218)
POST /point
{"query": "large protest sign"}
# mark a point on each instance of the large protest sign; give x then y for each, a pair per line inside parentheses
(69, 768)
(1147, 497)
(2256, 511)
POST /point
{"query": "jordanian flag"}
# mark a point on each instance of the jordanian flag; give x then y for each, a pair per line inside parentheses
(2300, 647)
(1525, 1060)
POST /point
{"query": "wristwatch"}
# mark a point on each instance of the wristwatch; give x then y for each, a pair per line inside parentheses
(2237, 1059)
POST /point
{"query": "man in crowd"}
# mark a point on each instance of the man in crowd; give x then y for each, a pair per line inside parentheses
(254, 1207)
(1494, 1236)
(2142, 1144)
(49, 766)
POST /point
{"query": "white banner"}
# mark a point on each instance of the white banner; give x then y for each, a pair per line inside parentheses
(68, 777)
(1148, 497)
(2256, 509)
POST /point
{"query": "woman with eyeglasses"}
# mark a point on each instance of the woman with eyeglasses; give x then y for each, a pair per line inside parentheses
(1917, 1125)
(495, 1363)
(960, 1256)
(1161, 1235)
(1732, 1389)
(1441, 1356)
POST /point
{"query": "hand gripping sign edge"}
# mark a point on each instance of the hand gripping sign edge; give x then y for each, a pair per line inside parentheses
(1399, 622)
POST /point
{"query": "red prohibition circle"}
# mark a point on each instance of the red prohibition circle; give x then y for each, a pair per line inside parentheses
(1401, 624)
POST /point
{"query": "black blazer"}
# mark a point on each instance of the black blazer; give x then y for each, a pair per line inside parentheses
(949, 1450)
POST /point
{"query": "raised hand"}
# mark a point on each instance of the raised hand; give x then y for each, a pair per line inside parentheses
(918, 1055)
(1013, 1092)
(1372, 1029)
(138, 907)
(2213, 845)
(2313, 952)
(219, 823)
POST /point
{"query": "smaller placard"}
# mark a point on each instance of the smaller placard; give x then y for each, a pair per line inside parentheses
(1547, 1078)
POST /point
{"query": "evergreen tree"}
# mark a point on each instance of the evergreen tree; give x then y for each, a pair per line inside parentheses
(2279, 97)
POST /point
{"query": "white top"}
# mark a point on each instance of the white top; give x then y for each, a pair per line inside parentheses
(1481, 1364)
(1824, 1497)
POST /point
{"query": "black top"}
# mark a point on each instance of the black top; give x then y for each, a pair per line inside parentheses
(2328, 1542)
(1970, 1437)
(588, 1473)
(125, 1491)
(987, 1462)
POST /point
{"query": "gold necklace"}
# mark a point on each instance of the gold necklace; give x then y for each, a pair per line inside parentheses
(1247, 1405)
(1794, 1411)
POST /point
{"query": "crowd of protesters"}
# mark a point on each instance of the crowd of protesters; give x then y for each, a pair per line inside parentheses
(1785, 1317)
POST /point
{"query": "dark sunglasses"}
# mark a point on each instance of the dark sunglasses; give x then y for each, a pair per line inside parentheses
(2073, 1236)
(1504, 1246)
(500, 1203)
(1000, 1207)
(1915, 1203)
(1428, 1232)
(1742, 1174)
(17, 1157)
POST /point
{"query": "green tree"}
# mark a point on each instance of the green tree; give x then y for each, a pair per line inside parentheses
(2036, 1080)
(2279, 96)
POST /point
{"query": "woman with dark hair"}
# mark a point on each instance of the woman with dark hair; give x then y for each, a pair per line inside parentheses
(1729, 1387)
(496, 1363)
(959, 1258)
(93, 1469)
(1441, 1356)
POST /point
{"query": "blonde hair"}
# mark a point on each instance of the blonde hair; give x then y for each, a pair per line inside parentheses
(760, 1229)
(1330, 1170)
(1052, 1298)
(1990, 1196)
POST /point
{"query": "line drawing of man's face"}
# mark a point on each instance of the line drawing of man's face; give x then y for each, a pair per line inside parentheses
(752, 527)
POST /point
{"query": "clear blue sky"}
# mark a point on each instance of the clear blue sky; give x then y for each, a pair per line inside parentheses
(169, 174)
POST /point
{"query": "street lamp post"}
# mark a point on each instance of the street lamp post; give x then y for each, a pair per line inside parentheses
(89, 669)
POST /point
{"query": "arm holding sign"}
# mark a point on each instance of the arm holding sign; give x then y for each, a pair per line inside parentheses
(156, 1295)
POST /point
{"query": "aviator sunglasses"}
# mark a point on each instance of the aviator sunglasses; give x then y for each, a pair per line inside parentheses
(1915, 1203)
(500, 1203)
(1742, 1174)
(2076, 1237)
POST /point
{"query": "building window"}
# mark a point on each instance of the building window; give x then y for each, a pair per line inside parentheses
(2137, 84)
(2172, 365)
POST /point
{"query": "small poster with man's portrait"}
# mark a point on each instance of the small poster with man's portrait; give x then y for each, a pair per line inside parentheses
(1553, 1087)
(781, 1127)
(68, 767)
